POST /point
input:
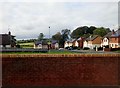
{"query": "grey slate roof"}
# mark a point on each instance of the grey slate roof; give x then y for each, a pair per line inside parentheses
(91, 38)
(116, 34)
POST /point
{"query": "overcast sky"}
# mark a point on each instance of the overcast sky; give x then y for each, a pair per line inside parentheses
(27, 19)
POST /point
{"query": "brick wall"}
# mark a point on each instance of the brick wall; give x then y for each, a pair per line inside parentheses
(61, 70)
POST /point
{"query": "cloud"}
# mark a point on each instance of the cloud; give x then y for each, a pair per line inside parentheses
(28, 19)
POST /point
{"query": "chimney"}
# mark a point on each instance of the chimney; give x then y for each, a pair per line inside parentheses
(9, 33)
(113, 32)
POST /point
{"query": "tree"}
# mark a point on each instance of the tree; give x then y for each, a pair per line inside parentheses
(81, 31)
(91, 29)
(65, 34)
(40, 37)
(57, 36)
(100, 31)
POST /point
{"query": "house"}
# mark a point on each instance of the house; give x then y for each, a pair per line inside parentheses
(54, 44)
(92, 41)
(38, 45)
(115, 39)
(68, 43)
(44, 44)
(106, 40)
(75, 43)
(7, 40)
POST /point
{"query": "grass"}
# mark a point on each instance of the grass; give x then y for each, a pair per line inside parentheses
(60, 52)
(118, 51)
(49, 52)
(27, 45)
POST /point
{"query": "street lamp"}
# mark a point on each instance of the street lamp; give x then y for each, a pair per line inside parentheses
(49, 40)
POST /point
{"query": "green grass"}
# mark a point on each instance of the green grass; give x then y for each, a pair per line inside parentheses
(27, 45)
(118, 51)
(60, 52)
(49, 52)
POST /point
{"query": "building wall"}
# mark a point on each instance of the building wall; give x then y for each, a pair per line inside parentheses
(105, 42)
(80, 43)
(75, 43)
(115, 42)
(85, 44)
(68, 44)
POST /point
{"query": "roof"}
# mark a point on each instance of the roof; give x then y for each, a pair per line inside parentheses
(116, 34)
(91, 38)
(45, 42)
(38, 42)
(108, 35)
(5, 39)
(54, 41)
(81, 38)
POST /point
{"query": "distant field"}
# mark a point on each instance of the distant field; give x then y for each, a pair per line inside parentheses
(27, 45)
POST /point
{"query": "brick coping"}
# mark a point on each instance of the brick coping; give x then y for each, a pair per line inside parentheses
(58, 55)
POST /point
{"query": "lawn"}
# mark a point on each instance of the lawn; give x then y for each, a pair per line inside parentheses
(49, 52)
(27, 45)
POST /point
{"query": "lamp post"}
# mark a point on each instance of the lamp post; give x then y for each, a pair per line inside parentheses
(49, 40)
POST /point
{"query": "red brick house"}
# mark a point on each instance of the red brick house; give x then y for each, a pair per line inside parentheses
(115, 39)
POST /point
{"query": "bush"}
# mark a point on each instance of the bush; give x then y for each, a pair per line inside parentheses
(74, 47)
(18, 46)
(78, 48)
(115, 49)
(99, 48)
(67, 47)
(86, 48)
(107, 46)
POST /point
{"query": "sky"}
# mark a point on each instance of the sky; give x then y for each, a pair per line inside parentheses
(26, 19)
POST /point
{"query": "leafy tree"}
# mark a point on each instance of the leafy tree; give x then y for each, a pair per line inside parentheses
(91, 29)
(41, 36)
(108, 30)
(78, 32)
(81, 31)
(100, 31)
(65, 34)
(57, 36)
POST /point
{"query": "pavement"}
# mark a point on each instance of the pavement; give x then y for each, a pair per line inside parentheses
(93, 51)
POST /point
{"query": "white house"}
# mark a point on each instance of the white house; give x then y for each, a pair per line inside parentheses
(75, 42)
(106, 39)
(38, 45)
(68, 44)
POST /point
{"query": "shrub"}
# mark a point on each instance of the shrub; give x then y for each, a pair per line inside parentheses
(74, 47)
(86, 48)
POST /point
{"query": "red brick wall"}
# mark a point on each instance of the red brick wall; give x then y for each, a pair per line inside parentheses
(38, 70)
